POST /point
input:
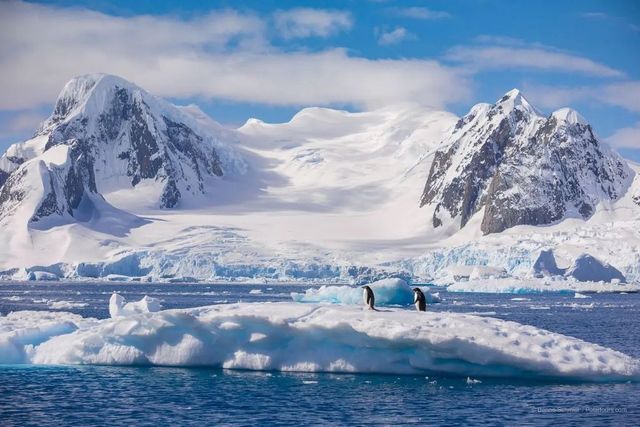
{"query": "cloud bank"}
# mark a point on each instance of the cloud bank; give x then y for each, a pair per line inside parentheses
(223, 54)
(624, 94)
(490, 57)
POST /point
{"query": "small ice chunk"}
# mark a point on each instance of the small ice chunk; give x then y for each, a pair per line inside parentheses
(118, 307)
(65, 305)
(42, 276)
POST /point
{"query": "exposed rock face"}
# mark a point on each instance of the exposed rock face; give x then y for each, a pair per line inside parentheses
(3, 177)
(112, 129)
(521, 167)
(11, 194)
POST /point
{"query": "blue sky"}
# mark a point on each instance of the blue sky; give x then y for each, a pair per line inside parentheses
(268, 59)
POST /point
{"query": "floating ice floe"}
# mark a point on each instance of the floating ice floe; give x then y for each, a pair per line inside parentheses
(386, 291)
(310, 338)
(66, 305)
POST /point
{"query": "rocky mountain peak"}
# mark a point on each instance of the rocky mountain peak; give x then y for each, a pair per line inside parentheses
(514, 99)
(118, 133)
(520, 167)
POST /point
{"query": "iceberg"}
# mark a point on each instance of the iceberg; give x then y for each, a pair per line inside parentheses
(42, 276)
(118, 307)
(287, 336)
(386, 291)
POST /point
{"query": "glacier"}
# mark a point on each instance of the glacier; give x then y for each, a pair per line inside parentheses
(310, 338)
(510, 285)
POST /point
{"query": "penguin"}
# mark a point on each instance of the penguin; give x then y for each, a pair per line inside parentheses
(369, 298)
(419, 300)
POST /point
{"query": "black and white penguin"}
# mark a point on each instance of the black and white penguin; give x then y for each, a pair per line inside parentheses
(419, 300)
(369, 298)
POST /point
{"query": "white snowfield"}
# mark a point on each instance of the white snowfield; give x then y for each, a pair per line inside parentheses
(311, 338)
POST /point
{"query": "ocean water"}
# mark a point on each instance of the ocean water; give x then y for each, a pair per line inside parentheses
(107, 395)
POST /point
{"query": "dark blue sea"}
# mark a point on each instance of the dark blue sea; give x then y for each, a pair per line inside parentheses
(106, 395)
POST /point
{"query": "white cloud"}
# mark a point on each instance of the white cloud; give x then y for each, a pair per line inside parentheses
(626, 137)
(612, 19)
(421, 13)
(483, 57)
(595, 15)
(500, 40)
(305, 22)
(624, 94)
(223, 54)
(389, 37)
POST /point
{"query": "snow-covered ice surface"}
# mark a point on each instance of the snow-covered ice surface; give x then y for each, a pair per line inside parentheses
(311, 338)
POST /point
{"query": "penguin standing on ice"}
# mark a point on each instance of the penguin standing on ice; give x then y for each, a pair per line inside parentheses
(419, 300)
(369, 298)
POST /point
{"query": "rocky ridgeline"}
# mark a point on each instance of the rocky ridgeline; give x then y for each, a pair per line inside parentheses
(103, 128)
(521, 167)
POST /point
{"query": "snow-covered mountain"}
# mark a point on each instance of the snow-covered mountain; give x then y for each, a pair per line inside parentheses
(120, 184)
(107, 135)
(521, 168)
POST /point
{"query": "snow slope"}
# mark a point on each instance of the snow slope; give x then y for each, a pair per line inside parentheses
(311, 338)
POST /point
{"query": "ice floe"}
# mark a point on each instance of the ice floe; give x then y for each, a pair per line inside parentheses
(66, 305)
(309, 338)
